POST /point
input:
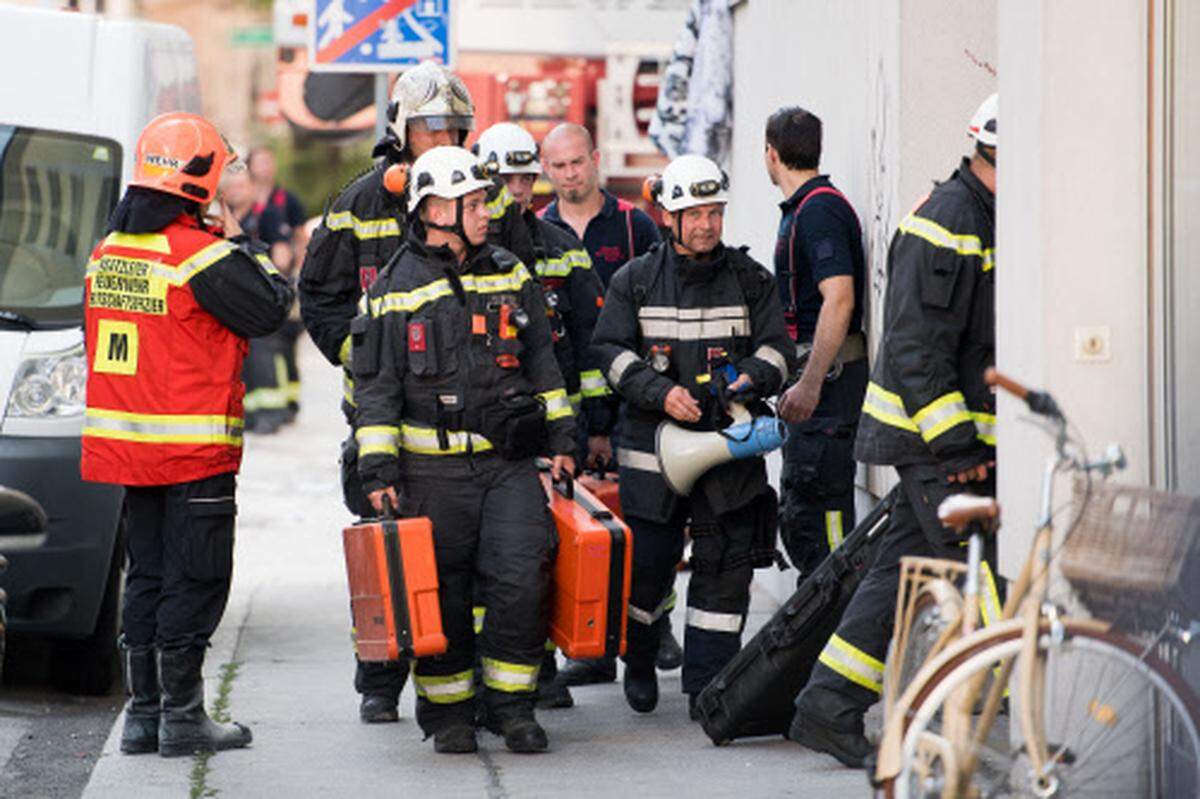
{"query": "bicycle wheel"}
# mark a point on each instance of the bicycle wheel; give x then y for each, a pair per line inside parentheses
(1116, 724)
(933, 612)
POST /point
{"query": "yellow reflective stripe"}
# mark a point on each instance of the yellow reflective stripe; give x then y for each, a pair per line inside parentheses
(938, 236)
(203, 259)
(377, 440)
(362, 228)
(293, 390)
(551, 646)
(424, 441)
(557, 404)
(512, 678)
(344, 350)
(887, 407)
(553, 267)
(985, 425)
(944, 413)
(266, 263)
(153, 242)
(852, 663)
(478, 612)
(265, 399)
(989, 605)
(348, 388)
(154, 428)
(578, 259)
(446, 690)
(576, 402)
(498, 207)
(410, 301)
(593, 384)
(174, 275)
(833, 528)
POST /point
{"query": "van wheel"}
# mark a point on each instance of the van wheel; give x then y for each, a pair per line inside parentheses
(91, 666)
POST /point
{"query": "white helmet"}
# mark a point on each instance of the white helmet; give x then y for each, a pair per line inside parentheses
(447, 172)
(983, 125)
(688, 181)
(509, 149)
(433, 94)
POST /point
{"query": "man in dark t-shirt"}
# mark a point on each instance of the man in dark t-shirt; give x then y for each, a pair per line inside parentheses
(820, 268)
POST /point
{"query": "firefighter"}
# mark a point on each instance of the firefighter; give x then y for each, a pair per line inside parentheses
(170, 302)
(683, 327)
(360, 232)
(821, 269)
(929, 414)
(574, 295)
(458, 390)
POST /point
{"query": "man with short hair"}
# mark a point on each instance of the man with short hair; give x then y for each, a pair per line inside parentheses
(458, 390)
(686, 327)
(821, 268)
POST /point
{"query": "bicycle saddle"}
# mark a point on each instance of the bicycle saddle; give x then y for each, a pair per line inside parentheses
(960, 511)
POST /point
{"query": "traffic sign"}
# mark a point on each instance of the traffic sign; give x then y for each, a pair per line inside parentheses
(379, 35)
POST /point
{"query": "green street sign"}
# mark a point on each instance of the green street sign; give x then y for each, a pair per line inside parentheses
(252, 36)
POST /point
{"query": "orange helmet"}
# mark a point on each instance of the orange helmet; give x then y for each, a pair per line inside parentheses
(181, 154)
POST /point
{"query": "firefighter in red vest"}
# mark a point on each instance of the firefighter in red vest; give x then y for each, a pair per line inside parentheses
(170, 302)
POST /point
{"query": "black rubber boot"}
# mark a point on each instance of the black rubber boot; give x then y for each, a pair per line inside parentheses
(142, 710)
(831, 722)
(641, 688)
(378, 709)
(670, 653)
(552, 692)
(589, 672)
(455, 739)
(693, 707)
(511, 717)
(184, 727)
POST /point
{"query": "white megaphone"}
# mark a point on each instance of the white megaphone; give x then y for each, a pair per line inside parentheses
(685, 455)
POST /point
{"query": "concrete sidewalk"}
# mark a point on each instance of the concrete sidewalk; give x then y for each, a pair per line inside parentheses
(283, 657)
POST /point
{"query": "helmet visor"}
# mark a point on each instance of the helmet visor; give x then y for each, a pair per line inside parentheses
(443, 122)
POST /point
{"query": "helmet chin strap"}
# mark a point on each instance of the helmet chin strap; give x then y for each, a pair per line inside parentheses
(456, 228)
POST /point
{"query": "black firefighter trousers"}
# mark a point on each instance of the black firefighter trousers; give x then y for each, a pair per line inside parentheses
(718, 593)
(179, 539)
(491, 524)
(848, 676)
(817, 496)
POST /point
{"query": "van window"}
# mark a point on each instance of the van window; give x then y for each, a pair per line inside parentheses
(57, 191)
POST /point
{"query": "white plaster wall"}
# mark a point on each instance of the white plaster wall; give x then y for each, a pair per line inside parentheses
(1071, 248)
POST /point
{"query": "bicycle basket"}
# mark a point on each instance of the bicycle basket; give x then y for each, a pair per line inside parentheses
(1133, 554)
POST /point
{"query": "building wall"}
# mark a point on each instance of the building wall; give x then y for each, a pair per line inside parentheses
(1072, 228)
(894, 83)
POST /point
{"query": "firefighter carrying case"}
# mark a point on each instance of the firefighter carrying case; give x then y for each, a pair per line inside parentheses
(755, 693)
(393, 588)
(592, 572)
(604, 487)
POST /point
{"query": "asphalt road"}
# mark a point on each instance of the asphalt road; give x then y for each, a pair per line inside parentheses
(49, 740)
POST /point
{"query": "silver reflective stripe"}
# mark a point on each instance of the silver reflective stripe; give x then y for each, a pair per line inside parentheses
(620, 364)
(772, 356)
(646, 617)
(447, 688)
(642, 461)
(164, 429)
(716, 622)
(694, 324)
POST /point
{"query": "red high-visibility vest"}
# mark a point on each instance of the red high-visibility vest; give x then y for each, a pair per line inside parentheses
(164, 387)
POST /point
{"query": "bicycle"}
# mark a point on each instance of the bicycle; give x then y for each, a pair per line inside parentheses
(1097, 712)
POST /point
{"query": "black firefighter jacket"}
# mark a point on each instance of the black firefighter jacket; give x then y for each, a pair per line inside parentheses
(927, 401)
(439, 348)
(674, 313)
(360, 232)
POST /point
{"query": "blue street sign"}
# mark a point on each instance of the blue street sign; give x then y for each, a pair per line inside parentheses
(379, 35)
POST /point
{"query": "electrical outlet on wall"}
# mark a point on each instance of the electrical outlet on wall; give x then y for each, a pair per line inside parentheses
(1093, 344)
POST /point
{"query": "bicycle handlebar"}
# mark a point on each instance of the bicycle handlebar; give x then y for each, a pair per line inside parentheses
(1040, 402)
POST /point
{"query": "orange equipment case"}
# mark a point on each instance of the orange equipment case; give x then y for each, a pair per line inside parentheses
(393, 588)
(591, 574)
(604, 486)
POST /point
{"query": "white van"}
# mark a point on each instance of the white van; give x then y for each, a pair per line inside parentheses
(77, 90)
